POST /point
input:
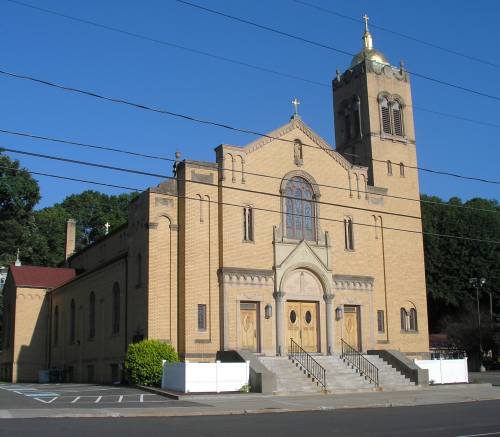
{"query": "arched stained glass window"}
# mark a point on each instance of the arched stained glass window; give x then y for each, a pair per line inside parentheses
(115, 319)
(299, 210)
(92, 315)
(72, 321)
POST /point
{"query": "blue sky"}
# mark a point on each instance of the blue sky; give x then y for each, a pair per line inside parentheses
(80, 55)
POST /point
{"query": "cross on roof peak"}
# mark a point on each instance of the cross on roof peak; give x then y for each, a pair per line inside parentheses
(296, 103)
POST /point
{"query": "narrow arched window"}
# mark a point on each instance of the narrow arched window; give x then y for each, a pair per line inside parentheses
(92, 315)
(404, 320)
(397, 118)
(356, 117)
(401, 170)
(7, 326)
(299, 210)
(115, 319)
(139, 267)
(56, 326)
(349, 233)
(389, 168)
(413, 320)
(385, 116)
(72, 321)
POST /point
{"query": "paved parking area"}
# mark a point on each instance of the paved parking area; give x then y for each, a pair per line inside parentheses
(81, 395)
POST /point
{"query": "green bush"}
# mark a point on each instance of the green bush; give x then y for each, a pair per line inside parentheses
(144, 361)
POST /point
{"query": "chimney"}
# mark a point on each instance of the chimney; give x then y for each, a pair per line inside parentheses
(70, 238)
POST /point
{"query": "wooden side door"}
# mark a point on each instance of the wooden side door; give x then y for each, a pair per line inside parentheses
(351, 326)
(293, 321)
(309, 326)
(248, 326)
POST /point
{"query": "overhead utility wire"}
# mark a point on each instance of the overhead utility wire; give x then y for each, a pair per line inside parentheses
(163, 176)
(332, 48)
(402, 35)
(229, 60)
(249, 173)
(165, 43)
(199, 120)
(218, 202)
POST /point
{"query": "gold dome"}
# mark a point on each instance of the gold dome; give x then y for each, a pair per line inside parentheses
(369, 53)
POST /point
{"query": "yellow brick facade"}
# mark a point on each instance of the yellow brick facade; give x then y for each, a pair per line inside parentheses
(188, 276)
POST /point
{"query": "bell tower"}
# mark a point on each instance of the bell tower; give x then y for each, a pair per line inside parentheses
(373, 119)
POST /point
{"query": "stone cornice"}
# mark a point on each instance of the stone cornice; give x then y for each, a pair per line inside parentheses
(244, 276)
(355, 283)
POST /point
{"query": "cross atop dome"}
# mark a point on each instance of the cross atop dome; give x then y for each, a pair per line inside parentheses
(365, 19)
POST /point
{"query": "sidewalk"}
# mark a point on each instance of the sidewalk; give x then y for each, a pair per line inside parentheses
(256, 403)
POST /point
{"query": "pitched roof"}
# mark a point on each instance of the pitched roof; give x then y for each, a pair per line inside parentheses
(42, 277)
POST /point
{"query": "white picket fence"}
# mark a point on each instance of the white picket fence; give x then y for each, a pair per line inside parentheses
(187, 377)
(445, 371)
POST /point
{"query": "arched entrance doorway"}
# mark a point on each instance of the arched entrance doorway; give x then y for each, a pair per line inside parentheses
(303, 291)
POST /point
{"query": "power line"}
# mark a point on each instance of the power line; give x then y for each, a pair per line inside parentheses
(226, 59)
(331, 48)
(402, 35)
(249, 173)
(203, 121)
(166, 43)
(218, 202)
(163, 176)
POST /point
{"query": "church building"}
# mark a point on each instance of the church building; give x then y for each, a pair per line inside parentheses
(285, 240)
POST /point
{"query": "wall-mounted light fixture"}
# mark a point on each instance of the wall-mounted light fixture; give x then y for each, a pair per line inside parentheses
(339, 313)
(268, 311)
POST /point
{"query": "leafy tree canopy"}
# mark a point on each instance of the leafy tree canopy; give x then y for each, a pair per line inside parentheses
(91, 210)
(450, 263)
(19, 193)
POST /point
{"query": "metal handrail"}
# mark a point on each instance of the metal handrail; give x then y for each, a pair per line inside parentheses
(356, 358)
(313, 368)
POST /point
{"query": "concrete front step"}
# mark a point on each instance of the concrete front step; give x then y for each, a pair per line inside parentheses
(341, 376)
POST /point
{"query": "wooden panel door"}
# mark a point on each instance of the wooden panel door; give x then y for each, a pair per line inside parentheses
(294, 322)
(309, 326)
(351, 326)
(248, 326)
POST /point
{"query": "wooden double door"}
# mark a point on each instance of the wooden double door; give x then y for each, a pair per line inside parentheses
(302, 320)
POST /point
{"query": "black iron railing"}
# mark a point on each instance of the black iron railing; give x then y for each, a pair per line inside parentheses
(363, 366)
(314, 370)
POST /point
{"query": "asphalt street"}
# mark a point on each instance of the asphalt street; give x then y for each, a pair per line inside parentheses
(476, 419)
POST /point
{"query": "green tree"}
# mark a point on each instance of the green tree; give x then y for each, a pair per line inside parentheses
(91, 210)
(19, 193)
(450, 263)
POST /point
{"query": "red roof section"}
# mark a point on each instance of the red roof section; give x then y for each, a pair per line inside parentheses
(42, 277)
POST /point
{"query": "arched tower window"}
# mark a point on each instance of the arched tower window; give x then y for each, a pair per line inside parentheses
(299, 210)
(92, 315)
(385, 115)
(72, 321)
(115, 319)
(401, 170)
(397, 118)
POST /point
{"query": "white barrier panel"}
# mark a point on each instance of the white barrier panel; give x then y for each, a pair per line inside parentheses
(445, 371)
(205, 377)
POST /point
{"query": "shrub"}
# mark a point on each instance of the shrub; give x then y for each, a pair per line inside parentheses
(144, 361)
